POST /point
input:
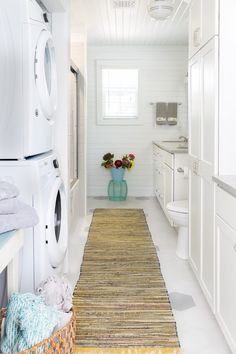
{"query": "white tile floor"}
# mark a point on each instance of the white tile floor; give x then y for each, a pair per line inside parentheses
(197, 328)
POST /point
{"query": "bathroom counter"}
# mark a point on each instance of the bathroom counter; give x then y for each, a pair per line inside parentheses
(228, 183)
(10, 245)
(172, 147)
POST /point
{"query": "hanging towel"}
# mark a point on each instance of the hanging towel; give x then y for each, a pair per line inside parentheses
(8, 190)
(172, 113)
(25, 217)
(8, 206)
(161, 113)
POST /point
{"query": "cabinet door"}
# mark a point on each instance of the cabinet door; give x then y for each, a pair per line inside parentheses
(195, 107)
(209, 103)
(168, 188)
(210, 22)
(208, 241)
(226, 280)
(204, 23)
(208, 164)
(195, 221)
(195, 26)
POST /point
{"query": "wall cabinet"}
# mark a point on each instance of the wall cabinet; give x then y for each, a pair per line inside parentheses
(170, 183)
(203, 23)
(203, 153)
(225, 265)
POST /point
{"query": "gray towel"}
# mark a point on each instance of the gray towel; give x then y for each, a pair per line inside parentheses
(25, 217)
(172, 110)
(8, 190)
(8, 206)
(161, 113)
(172, 113)
(161, 110)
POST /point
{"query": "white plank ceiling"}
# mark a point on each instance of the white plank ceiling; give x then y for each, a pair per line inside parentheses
(107, 25)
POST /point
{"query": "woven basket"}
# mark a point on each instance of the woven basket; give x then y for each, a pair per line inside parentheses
(60, 342)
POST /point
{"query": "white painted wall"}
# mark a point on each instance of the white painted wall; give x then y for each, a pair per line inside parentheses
(163, 70)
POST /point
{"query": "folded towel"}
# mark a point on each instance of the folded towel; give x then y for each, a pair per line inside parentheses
(57, 292)
(28, 322)
(8, 190)
(9, 206)
(25, 217)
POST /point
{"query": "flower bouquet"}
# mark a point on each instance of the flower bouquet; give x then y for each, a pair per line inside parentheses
(118, 166)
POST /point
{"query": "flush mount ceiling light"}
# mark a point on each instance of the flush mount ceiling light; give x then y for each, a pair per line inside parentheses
(160, 9)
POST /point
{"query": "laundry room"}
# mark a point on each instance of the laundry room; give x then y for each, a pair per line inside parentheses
(117, 176)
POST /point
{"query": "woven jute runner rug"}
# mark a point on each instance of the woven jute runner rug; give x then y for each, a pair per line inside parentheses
(121, 299)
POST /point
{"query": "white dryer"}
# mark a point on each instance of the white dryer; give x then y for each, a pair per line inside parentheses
(28, 85)
(41, 186)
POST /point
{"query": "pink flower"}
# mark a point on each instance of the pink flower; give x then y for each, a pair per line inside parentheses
(131, 156)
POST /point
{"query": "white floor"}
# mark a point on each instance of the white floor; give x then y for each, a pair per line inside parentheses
(197, 328)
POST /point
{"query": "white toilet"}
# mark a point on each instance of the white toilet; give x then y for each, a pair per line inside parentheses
(178, 212)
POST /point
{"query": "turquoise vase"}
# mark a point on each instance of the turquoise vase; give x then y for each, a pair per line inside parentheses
(117, 174)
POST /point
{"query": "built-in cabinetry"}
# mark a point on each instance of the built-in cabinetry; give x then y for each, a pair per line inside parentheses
(212, 146)
(203, 161)
(226, 264)
(204, 23)
(170, 181)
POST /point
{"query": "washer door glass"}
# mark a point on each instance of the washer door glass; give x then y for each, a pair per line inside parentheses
(57, 217)
(45, 74)
(57, 224)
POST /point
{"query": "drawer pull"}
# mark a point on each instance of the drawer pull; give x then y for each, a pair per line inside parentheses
(235, 248)
(197, 37)
(180, 170)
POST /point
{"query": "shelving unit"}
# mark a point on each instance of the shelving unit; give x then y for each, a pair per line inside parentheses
(10, 245)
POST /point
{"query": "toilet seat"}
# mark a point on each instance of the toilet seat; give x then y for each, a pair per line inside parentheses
(180, 206)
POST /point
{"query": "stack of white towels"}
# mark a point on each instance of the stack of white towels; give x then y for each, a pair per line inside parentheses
(14, 214)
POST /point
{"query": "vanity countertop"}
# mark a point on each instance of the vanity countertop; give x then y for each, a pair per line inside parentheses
(228, 183)
(172, 147)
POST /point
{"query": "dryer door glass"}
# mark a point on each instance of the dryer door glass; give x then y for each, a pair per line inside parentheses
(48, 68)
(57, 217)
(45, 74)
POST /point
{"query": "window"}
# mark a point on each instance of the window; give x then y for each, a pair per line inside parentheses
(118, 94)
(74, 126)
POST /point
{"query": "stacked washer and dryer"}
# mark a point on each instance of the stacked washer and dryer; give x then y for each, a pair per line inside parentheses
(28, 95)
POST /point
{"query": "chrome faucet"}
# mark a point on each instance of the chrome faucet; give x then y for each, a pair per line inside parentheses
(184, 138)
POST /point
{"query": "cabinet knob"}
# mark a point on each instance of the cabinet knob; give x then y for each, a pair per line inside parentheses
(180, 170)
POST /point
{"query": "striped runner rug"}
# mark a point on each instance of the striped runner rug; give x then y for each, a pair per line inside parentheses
(121, 300)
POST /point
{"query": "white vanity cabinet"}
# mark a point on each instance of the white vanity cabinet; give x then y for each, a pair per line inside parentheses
(203, 23)
(170, 181)
(226, 264)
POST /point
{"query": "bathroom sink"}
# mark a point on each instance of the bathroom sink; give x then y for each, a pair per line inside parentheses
(182, 147)
(171, 141)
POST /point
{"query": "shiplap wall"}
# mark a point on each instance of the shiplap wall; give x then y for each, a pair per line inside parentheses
(163, 72)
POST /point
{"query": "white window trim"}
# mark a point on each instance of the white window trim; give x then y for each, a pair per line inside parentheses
(115, 64)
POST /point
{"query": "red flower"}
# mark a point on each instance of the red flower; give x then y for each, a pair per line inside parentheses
(118, 163)
(131, 156)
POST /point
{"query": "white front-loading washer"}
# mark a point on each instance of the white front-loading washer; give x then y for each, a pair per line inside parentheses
(28, 85)
(41, 186)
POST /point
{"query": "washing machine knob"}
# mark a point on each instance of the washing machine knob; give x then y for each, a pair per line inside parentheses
(55, 163)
